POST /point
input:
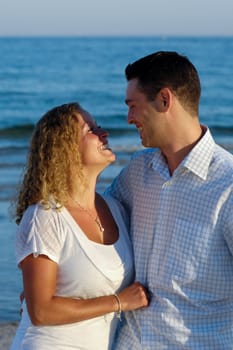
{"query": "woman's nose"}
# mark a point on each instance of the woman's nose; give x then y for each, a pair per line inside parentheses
(102, 133)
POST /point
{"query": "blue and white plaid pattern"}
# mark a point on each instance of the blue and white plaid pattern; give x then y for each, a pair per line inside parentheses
(182, 232)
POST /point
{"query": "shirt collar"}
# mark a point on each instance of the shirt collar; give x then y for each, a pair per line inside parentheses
(197, 160)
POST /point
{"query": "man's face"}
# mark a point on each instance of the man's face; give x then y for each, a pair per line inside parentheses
(144, 114)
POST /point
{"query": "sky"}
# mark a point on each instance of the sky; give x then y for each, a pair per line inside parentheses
(118, 18)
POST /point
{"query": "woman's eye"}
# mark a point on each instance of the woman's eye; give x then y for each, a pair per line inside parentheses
(94, 129)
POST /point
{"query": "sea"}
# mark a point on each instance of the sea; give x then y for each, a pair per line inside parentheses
(38, 73)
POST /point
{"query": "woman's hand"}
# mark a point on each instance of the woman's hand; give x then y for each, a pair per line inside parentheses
(133, 297)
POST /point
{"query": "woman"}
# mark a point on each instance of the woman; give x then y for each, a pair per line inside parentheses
(74, 254)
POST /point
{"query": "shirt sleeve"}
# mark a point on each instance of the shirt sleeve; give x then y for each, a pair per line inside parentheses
(117, 209)
(228, 228)
(39, 232)
(120, 188)
(124, 186)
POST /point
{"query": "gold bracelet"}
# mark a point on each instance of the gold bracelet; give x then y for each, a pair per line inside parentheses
(118, 313)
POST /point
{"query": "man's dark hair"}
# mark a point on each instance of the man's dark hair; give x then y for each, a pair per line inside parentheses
(167, 69)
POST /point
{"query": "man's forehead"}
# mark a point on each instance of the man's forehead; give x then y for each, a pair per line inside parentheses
(133, 94)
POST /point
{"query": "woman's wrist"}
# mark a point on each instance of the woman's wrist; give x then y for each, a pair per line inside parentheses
(119, 306)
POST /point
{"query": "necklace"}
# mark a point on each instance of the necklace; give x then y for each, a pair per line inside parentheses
(96, 219)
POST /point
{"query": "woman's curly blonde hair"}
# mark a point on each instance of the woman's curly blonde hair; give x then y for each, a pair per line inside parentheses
(53, 153)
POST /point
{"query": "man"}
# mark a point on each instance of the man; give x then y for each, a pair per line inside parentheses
(179, 195)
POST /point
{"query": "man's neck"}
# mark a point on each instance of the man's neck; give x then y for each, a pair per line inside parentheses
(175, 154)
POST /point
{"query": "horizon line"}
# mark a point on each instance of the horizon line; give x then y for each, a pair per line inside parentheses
(162, 36)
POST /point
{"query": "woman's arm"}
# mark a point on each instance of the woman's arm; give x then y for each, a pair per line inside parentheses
(44, 308)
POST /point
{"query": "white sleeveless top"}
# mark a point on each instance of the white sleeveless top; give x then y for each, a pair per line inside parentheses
(86, 270)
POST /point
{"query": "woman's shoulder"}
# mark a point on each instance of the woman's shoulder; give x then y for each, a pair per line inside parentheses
(39, 232)
(38, 213)
(35, 210)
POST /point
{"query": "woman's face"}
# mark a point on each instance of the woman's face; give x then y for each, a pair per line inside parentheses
(94, 146)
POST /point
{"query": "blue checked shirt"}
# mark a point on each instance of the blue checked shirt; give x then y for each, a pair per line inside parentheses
(182, 233)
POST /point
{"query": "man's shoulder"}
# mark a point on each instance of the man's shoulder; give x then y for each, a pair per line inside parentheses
(222, 165)
(224, 156)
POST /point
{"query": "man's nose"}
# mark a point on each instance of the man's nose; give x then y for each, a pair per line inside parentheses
(130, 117)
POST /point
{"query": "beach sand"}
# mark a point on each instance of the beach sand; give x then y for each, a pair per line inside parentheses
(7, 332)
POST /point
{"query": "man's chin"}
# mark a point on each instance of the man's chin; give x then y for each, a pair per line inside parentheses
(145, 143)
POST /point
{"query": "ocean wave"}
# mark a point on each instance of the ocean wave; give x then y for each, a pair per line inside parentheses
(221, 129)
(16, 131)
(123, 140)
(25, 131)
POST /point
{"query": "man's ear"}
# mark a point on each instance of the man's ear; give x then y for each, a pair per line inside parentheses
(165, 97)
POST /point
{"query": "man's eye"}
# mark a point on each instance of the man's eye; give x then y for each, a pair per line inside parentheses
(90, 130)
